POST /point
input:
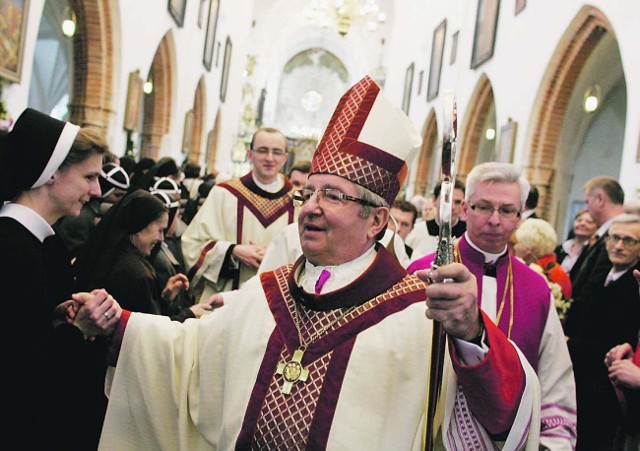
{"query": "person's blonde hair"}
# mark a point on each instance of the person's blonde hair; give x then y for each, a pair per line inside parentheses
(536, 235)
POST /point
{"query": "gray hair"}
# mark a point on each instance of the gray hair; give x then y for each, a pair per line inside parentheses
(626, 218)
(497, 172)
(369, 196)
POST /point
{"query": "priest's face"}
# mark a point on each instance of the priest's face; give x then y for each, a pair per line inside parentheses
(268, 155)
(332, 233)
(492, 213)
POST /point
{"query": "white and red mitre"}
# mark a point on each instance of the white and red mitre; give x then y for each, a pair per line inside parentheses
(368, 141)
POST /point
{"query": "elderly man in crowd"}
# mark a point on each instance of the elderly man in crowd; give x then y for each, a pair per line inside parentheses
(513, 296)
(608, 314)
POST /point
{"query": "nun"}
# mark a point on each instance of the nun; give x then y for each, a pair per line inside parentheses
(48, 169)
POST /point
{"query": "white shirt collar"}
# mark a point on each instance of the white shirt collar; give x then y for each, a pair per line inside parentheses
(31, 220)
(341, 275)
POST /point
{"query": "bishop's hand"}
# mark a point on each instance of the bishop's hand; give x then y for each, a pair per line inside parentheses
(452, 299)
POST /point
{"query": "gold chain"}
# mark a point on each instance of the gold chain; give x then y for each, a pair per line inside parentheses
(327, 328)
(508, 287)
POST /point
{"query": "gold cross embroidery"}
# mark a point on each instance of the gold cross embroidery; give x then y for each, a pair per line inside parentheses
(292, 372)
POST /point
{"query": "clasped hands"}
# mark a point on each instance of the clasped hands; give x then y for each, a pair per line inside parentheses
(452, 299)
(95, 313)
(250, 254)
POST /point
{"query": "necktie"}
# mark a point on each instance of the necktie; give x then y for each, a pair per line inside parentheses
(324, 275)
(609, 279)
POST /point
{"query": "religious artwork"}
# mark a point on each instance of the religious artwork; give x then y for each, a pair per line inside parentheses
(507, 142)
(484, 37)
(188, 132)
(454, 47)
(177, 9)
(13, 27)
(408, 85)
(435, 68)
(134, 102)
(210, 39)
(224, 80)
(201, 11)
(520, 5)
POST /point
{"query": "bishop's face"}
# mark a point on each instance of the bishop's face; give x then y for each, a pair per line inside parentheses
(331, 234)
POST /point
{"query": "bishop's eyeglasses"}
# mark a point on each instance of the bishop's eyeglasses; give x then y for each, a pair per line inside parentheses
(328, 196)
(505, 211)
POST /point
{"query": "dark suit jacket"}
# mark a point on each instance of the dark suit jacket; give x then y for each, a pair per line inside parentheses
(591, 260)
(561, 254)
(604, 317)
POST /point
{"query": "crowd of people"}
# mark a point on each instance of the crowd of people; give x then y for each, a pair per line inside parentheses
(279, 309)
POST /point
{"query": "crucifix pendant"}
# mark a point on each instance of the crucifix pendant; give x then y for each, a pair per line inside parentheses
(292, 372)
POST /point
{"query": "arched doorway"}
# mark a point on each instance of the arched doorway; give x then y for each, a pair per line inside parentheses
(562, 131)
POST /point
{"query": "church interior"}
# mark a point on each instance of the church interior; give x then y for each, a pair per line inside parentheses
(551, 86)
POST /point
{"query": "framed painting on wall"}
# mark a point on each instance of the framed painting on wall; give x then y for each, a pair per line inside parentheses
(134, 102)
(210, 37)
(13, 17)
(454, 47)
(435, 68)
(177, 9)
(484, 37)
(408, 84)
(507, 142)
(188, 131)
(226, 62)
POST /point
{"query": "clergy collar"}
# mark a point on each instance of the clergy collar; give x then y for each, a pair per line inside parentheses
(31, 220)
(382, 274)
(488, 257)
(272, 187)
(346, 271)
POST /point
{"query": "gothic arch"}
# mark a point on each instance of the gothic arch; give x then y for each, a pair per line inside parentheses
(473, 124)
(426, 156)
(568, 61)
(91, 100)
(157, 105)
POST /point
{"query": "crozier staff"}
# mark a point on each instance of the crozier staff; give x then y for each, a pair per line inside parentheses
(287, 362)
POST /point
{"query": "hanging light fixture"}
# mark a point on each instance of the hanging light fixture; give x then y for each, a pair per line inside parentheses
(147, 87)
(69, 22)
(343, 14)
(592, 98)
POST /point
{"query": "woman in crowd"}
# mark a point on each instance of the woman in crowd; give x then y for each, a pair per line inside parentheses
(48, 170)
(116, 255)
(535, 240)
(568, 253)
(167, 264)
